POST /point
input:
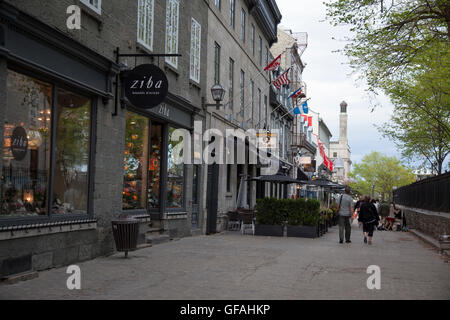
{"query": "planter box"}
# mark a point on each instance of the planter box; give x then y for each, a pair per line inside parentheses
(302, 231)
(268, 230)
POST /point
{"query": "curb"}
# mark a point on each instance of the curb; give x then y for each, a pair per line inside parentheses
(429, 240)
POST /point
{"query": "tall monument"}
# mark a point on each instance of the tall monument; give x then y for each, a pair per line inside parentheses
(340, 150)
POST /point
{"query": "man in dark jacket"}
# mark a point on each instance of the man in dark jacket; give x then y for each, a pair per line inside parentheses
(368, 216)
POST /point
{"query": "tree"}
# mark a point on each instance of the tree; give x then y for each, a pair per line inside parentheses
(380, 172)
(420, 125)
(390, 37)
(402, 47)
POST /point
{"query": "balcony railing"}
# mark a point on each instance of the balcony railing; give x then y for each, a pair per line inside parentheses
(430, 194)
(300, 140)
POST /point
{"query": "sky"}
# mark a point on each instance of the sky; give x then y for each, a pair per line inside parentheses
(329, 80)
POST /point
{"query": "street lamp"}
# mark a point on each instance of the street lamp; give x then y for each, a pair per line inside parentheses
(217, 92)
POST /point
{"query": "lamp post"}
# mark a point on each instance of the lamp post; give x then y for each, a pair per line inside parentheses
(217, 92)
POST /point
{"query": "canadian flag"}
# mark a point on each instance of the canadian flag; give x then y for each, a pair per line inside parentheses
(274, 64)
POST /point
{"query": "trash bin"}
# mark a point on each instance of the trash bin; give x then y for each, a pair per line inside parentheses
(126, 232)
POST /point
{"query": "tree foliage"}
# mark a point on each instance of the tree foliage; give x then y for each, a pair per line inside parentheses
(402, 47)
(391, 37)
(380, 171)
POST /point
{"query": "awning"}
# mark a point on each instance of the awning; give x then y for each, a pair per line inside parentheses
(275, 178)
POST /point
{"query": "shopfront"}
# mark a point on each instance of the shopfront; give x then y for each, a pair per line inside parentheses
(54, 99)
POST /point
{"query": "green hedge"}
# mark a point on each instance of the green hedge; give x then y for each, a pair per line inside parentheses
(296, 212)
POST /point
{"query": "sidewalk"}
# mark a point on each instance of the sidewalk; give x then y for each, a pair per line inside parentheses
(232, 266)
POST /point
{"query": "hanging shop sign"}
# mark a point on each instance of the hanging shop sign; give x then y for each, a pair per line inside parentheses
(146, 86)
(19, 143)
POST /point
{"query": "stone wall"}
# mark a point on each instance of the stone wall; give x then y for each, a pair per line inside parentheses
(431, 223)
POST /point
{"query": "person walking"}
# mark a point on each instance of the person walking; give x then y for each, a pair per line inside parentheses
(345, 214)
(368, 216)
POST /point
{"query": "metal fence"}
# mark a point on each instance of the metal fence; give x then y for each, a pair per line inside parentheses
(431, 194)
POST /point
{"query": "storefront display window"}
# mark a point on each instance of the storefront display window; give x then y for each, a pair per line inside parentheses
(26, 147)
(154, 167)
(135, 160)
(71, 172)
(27, 172)
(175, 176)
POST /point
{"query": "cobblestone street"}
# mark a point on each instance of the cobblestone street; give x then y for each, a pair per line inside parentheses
(231, 266)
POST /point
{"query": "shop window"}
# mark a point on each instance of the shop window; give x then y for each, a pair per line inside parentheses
(135, 161)
(26, 168)
(26, 147)
(145, 23)
(175, 176)
(71, 172)
(154, 168)
(172, 12)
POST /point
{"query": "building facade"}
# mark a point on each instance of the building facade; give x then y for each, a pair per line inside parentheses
(240, 33)
(76, 154)
(340, 152)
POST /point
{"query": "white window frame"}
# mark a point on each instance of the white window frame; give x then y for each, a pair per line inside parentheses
(170, 33)
(142, 42)
(196, 40)
(92, 7)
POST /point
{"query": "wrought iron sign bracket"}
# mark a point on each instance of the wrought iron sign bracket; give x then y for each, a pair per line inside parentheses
(135, 56)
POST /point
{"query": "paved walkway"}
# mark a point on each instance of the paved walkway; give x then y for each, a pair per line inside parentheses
(231, 266)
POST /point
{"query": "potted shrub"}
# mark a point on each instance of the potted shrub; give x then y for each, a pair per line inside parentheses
(270, 217)
(303, 218)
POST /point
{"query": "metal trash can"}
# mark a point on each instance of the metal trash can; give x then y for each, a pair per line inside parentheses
(126, 232)
(444, 242)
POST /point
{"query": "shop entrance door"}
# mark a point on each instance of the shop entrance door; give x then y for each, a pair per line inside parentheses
(212, 198)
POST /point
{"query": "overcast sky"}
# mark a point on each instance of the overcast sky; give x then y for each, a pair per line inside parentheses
(329, 81)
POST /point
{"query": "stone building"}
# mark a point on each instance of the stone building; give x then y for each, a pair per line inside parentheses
(291, 46)
(240, 33)
(75, 153)
(340, 152)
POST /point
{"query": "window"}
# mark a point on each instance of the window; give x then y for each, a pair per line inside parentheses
(95, 5)
(267, 56)
(196, 38)
(135, 162)
(154, 167)
(231, 85)
(260, 114)
(334, 154)
(175, 176)
(252, 97)
(31, 117)
(216, 63)
(243, 25)
(217, 4)
(172, 11)
(232, 13)
(71, 172)
(260, 51)
(252, 40)
(145, 23)
(265, 107)
(229, 168)
(242, 85)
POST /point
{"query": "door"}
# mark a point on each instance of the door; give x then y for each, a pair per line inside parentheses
(212, 198)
